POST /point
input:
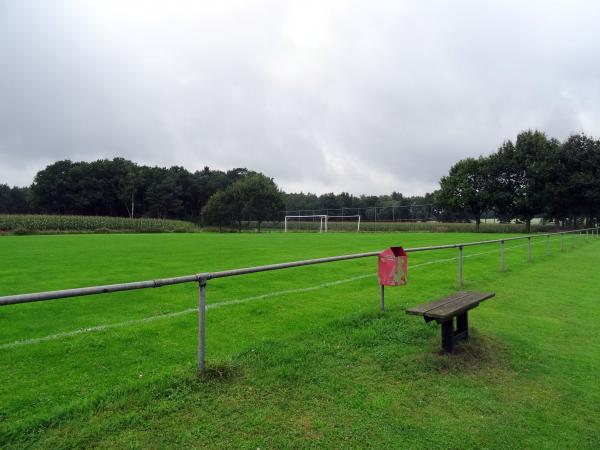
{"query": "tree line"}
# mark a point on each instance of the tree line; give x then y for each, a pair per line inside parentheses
(120, 187)
(117, 187)
(394, 207)
(535, 176)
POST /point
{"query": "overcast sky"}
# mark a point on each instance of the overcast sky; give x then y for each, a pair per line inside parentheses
(366, 97)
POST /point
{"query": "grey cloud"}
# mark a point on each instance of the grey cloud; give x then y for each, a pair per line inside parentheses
(365, 97)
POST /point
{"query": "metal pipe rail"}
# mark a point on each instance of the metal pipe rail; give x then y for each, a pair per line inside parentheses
(203, 277)
(78, 292)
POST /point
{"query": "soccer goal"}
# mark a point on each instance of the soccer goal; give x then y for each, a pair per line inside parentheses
(322, 223)
(315, 222)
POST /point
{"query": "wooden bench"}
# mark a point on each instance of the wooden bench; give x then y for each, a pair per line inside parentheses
(444, 310)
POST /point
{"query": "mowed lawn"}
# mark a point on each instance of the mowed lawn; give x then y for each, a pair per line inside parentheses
(299, 357)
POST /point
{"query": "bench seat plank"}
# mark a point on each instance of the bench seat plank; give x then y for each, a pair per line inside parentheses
(444, 310)
(452, 309)
(422, 310)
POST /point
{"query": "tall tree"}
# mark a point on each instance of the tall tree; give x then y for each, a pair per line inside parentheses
(503, 182)
(529, 163)
(466, 189)
(218, 210)
(258, 197)
(579, 188)
(127, 182)
(52, 188)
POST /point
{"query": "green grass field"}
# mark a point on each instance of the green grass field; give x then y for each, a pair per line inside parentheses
(299, 357)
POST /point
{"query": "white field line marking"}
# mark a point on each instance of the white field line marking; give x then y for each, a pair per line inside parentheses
(66, 334)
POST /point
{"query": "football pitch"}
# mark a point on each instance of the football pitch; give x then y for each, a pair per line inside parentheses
(299, 357)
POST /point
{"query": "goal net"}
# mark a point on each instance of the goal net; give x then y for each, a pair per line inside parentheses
(315, 222)
(322, 223)
(343, 223)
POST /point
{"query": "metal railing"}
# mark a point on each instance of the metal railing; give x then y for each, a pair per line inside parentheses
(203, 277)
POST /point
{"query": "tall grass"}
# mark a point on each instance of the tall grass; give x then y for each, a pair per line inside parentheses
(26, 224)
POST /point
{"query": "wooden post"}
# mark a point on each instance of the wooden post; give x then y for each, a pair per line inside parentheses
(448, 335)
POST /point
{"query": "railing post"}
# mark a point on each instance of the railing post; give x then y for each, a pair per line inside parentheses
(202, 326)
(548, 245)
(502, 256)
(460, 266)
(382, 298)
(529, 248)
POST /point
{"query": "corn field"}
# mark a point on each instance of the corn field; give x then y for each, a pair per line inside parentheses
(26, 224)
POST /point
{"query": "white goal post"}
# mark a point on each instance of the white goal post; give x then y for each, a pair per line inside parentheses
(321, 217)
(323, 220)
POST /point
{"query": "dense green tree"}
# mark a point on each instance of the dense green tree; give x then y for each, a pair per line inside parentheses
(301, 203)
(576, 182)
(219, 210)
(21, 200)
(256, 197)
(540, 177)
(5, 199)
(121, 187)
(127, 182)
(52, 186)
(329, 201)
(466, 188)
(502, 182)
(528, 162)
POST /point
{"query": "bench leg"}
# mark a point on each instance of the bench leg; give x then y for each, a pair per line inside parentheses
(462, 326)
(448, 335)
